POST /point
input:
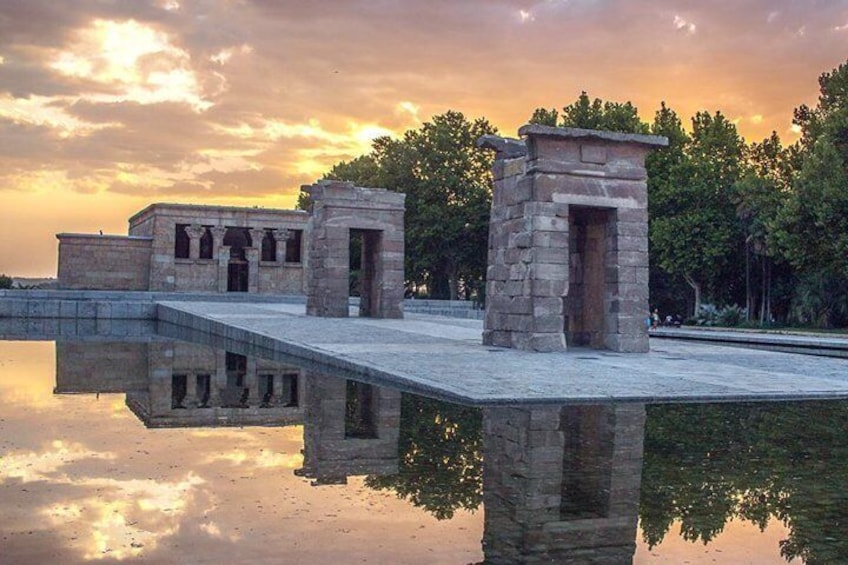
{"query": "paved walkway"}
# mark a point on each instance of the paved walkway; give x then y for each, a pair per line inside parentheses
(443, 357)
(829, 345)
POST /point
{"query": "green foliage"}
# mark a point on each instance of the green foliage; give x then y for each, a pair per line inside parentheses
(694, 233)
(811, 228)
(545, 117)
(728, 316)
(593, 114)
(447, 180)
(707, 464)
(5, 281)
(440, 463)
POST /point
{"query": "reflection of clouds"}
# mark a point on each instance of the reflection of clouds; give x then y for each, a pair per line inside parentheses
(123, 518)
(27, 375)
(264, 459)
(126, 517)
(253, 448)
(31, 466)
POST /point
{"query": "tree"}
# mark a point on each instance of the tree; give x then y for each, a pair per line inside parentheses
(440, 466)
(705, 464)
(760, 194)
(698, 236)
(667, 289)
(447, 180)
(812, 230)
(594, 114)
(6, 281)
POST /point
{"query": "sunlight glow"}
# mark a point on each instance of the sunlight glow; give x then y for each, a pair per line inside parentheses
(139, 62)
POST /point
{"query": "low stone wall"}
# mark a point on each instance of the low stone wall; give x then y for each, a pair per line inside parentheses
(449, 308)
(137, 305)
(104, 262)
(115, 305)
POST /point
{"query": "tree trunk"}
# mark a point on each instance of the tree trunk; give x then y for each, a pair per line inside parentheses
(453, 286)
(696, 286)
(749, 303)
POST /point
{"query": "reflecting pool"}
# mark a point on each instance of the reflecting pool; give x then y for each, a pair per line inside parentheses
(144, 448)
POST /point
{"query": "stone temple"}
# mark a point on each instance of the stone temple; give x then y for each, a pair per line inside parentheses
(568, 240)
(191, 248)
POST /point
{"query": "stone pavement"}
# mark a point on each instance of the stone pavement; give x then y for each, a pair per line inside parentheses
(828, 345)
(443, 357)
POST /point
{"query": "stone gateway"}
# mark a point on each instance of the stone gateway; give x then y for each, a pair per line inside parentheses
(568, 240)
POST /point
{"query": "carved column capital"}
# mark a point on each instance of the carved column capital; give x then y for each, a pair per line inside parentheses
(280, 234)
(256, 237)
(195, 231)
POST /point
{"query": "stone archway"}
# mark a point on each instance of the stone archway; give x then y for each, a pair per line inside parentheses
(339, 208)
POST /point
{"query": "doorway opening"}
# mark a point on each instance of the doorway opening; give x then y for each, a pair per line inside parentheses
(585, 305)
(366, 270)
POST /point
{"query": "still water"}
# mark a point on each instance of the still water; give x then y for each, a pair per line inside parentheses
(161, 451)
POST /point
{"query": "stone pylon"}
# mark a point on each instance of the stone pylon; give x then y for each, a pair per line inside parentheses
(568, 240)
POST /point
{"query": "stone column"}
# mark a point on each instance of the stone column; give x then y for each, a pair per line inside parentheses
(281, 236)
(194, 232)
(251, 381)
(218, 379)
(190, 400)
(252, 255)
(223, 267)
(277, 397)
(256, 237)
(218, 233)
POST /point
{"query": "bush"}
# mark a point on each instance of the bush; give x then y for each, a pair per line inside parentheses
(729, 316)
(6, 281)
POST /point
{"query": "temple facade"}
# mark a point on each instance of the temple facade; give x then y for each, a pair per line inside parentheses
(191, 248)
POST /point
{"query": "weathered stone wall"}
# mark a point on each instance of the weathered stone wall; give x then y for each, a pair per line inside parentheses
(194, 273)
(561, 484)
(568, 248)
(338, 208)
(103, 262)
(112, 366)
(281, 279)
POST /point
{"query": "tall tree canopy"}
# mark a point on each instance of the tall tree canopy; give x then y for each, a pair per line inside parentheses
(695, 232)
(447, 180)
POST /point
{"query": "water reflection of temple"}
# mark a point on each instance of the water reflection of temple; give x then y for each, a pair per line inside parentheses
(194, 385)
(351, 428)
(178, 384)
(561, 484)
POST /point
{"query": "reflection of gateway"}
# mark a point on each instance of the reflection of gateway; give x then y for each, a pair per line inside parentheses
(350, 428)
(561, 484)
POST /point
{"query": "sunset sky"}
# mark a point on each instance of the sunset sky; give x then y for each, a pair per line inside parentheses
(109, 105)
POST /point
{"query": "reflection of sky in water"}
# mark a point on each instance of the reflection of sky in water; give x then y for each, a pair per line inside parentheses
(82, 479)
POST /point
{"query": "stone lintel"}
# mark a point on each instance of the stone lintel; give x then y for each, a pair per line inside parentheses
(506, 147)
(345, 194)
(530, 130)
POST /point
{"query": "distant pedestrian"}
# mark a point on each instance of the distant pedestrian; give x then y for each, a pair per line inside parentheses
(655, 319)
